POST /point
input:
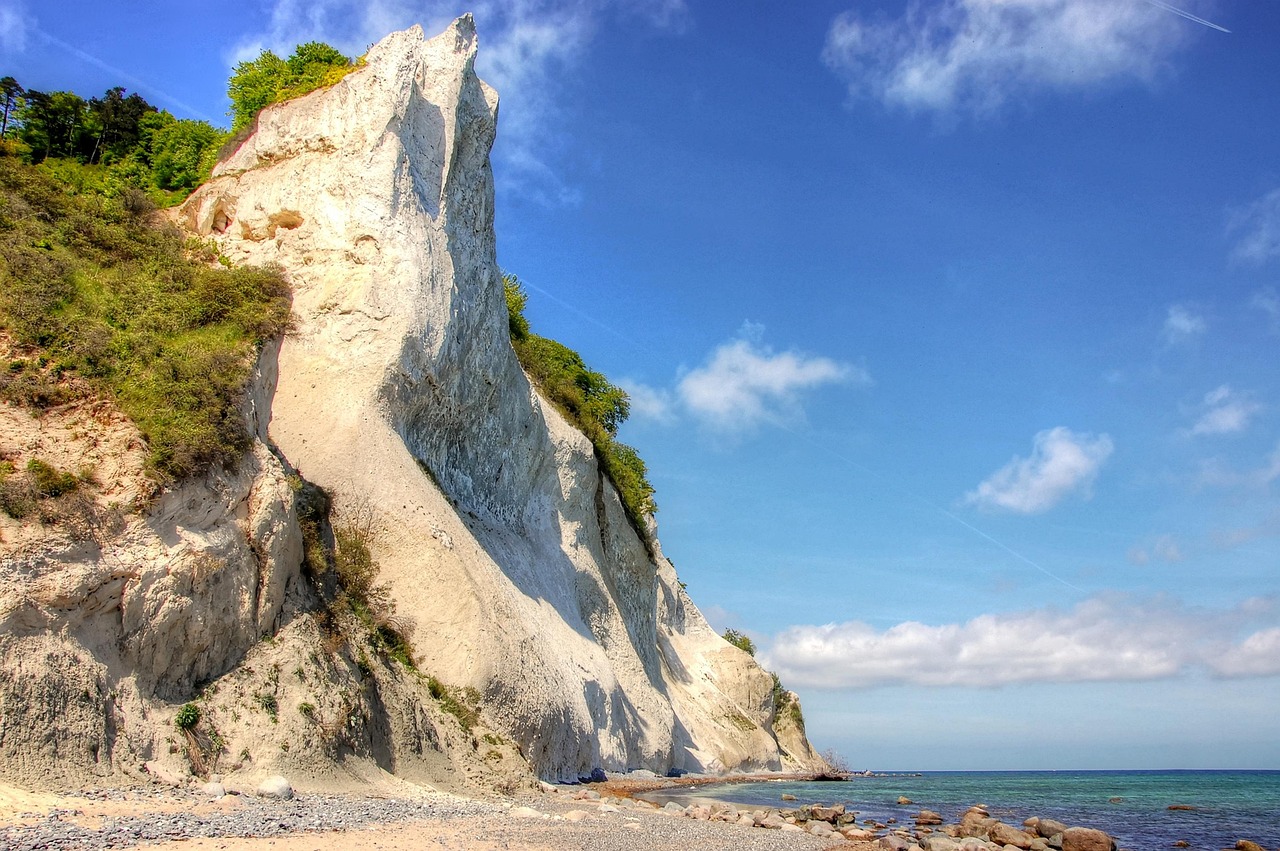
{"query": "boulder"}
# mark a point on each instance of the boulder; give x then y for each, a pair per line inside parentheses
(904, 801)
(772, 821)
(928, 817)
(576, 815)
(1247, 845)
(857, 834)
(1086, 839)
(673, 808)
(894, 842)
(525, 812)
(976, 822)
(1047, 827)
(275, 787)
(936, 842)
(213, 790)
(1005, 834)
(827, 814)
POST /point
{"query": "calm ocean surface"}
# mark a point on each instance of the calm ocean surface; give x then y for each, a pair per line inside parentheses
(1229, 805)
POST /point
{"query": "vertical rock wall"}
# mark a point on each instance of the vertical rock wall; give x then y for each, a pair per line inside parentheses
(507, 552)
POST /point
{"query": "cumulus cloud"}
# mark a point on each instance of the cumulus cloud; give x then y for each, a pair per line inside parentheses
(1182, 324)
(1062, 462)
(1258, 229)
(745, 384)
(526, 46)
(975, 55)
(14, 26)
(1102, 639)
(1225, 412)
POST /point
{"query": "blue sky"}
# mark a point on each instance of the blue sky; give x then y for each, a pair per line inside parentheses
(951, 329)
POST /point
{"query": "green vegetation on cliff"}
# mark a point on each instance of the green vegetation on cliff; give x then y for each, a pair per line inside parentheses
(96, 297)
(587, 400)
(269, 79)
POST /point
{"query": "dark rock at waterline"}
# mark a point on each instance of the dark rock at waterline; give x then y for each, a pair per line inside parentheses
(1182, 807)
(1247, 845)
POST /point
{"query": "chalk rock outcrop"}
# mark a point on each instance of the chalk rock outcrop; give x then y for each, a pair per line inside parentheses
(507, 551)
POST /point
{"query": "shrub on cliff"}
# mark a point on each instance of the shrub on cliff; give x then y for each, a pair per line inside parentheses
(89, 289)
(587, 399)
(258, 83)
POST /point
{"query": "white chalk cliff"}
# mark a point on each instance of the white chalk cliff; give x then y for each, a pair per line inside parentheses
(507, 551)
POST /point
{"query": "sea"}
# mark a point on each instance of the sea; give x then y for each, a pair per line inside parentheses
(1132, 806)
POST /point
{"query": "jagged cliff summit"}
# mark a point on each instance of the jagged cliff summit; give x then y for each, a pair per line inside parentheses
(508, 555)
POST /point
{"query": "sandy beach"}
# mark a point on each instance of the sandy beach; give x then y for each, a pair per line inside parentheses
(400, 817)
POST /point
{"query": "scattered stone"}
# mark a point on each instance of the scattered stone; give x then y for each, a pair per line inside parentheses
(213, 790)
(576, 815)
(1182, 843)
(788, 797)
(276, 788)
(858, 834)
(904, 801)
(548, 788)
(609, 808)
(1116, 800)
(526, 812)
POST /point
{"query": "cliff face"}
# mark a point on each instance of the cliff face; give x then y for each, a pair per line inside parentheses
(508, 554)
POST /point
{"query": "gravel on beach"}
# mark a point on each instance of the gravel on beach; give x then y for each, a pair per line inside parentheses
(428, 821)
(250, 817)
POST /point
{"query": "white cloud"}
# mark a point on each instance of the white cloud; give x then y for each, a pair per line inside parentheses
(1225, 412)
(1216, 474)
(1165, 548)
(1259, 228)
(648, 402)
(745, 384)
(1061, 462)
(975, 55)
(1181, 325)
(1101, 639)
(526, 47)
(14, 26)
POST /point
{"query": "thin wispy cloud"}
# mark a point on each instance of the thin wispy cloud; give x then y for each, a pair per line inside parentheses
(977, 55)
(1182, 325)
(15, 23)
(1061, 463)
(1257, 227)
(1268, 301)
(1214, 473)
(1165, 548)
(1103, 639)
(1224, 411)
(526, 49)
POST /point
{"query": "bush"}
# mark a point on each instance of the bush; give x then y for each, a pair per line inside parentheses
(743, 643)
(88, 289)
(187, 718)
(257, 84)
(587, 399)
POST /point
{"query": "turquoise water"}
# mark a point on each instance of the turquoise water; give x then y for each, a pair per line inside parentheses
(1133, 806)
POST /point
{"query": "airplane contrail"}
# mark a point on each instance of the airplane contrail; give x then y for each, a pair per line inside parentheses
(1190, 17)
(123, 75)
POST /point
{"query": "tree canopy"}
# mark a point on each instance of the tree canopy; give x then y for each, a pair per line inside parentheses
(260, 82)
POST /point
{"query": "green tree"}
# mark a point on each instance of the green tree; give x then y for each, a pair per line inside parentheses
(743, 643)
(53, 124)
(116, 120)
(12, 93)
(269, 79)
(179, 152)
